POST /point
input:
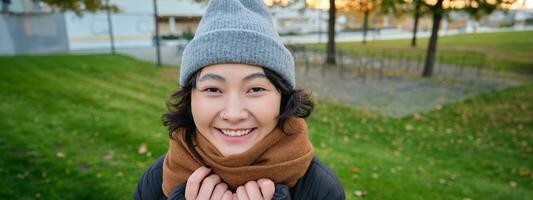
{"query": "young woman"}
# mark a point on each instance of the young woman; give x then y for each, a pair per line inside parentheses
(236, 124)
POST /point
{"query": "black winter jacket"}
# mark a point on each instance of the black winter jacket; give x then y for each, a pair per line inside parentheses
(319, 182)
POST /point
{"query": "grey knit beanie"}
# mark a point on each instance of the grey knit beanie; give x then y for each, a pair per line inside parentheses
(237, 31)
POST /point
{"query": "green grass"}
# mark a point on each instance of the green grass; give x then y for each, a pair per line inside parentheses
(504, 50)
(72, 127)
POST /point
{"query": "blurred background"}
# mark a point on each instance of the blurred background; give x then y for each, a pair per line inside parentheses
(416, 99)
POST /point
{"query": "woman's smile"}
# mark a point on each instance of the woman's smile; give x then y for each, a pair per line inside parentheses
(235, 135)
(235, 132)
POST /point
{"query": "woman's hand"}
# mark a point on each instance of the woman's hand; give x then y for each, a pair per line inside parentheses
(201, 186)
(252, 190)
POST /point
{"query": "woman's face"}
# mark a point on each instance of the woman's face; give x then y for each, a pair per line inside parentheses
(234, 106)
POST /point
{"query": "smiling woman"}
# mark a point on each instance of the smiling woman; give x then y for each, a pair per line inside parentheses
(236, 124)
(234, 109)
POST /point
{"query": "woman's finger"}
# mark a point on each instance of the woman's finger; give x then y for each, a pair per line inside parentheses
(241, 193)
(219, 191)
(228, 195)
(267, 188)
(252, 190)
(194, 181)
(208, 184)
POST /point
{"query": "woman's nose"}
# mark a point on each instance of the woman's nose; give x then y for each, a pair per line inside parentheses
(234, 116)
(235, 110)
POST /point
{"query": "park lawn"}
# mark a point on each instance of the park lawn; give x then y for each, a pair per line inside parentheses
(86, 127)
(502, 50)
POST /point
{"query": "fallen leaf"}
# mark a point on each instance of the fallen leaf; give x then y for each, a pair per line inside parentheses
(359, 193)
(345, 139)
(416, 116)
(524, 172)
(60, 154)
(143, 148)
(110, 154)
(513, 184)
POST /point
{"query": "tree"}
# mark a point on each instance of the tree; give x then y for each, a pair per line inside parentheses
(330, 46)
(420, 9)
(438, 11)
(332, 10)
(432, 46)
(271, 2)
(365, 7)
(330, 59)
(400, 8)
(80, 6)
(477, 11)
(5, 4)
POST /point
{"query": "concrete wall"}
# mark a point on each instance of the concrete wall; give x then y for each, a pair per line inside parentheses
(32, 33)
(91, 31)
(6, 45)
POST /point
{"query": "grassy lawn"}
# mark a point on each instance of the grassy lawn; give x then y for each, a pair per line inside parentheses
(505, 50)
(85, 127)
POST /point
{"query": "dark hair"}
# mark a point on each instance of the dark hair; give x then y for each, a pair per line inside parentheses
(294, 103)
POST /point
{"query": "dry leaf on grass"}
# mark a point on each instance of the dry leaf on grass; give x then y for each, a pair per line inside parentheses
(143, 148)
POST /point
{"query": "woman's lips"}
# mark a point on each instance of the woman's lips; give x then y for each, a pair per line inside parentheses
(235, 135)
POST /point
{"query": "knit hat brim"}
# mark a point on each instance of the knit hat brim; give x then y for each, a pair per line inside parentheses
(236, 46)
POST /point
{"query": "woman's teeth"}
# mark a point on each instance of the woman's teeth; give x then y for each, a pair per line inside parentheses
(236, 133)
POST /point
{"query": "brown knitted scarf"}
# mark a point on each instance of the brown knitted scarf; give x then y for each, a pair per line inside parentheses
(280, 157)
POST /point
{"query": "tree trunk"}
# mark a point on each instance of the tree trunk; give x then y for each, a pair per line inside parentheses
(365, 27)
(110, 28)
(157, 43)
(432, 46)
(415, 26)
(331, 33)
(5, 6)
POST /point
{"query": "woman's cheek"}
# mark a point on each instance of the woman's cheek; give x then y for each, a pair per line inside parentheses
(204, 110)
(266, 108)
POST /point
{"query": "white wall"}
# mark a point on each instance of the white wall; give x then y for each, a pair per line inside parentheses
(7, 47)
(91, 30)
(132, 27)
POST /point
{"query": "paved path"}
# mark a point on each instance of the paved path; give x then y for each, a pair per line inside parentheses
(394, 96)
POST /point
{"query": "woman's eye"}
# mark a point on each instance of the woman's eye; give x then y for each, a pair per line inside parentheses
(256, 89)
(215, 90)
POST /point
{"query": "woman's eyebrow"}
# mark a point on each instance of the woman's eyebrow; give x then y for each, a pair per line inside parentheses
(210, 76)
(254, 76)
